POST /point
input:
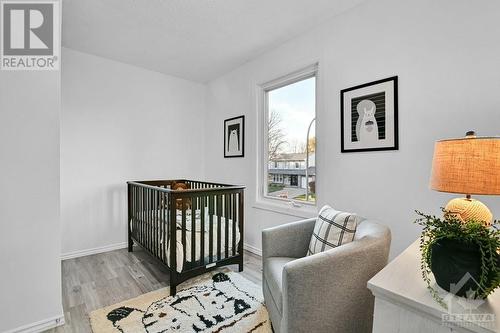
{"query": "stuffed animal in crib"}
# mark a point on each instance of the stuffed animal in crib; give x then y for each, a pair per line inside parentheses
(180, 186)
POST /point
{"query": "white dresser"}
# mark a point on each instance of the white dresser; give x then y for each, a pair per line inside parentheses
(404, 305)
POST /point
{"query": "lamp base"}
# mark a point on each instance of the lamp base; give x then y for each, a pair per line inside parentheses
(466, 209)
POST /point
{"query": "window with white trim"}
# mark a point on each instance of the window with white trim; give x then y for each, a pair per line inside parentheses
(288, 149)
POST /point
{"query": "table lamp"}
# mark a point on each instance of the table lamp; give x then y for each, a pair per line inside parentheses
(469, 165)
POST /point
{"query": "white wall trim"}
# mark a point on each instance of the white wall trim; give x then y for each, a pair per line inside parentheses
(252, 249)
(95, 250)
(112, 247)
(39, 326)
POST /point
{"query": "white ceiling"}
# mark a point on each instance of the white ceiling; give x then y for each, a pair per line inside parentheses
(194, 39)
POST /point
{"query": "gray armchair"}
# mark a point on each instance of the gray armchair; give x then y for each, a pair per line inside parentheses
(325, 292)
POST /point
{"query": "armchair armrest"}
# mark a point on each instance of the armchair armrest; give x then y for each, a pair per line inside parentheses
(288, 240)
(338, 278)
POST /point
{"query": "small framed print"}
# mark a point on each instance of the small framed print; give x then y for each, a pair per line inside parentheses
(234, 137)
(369, 116)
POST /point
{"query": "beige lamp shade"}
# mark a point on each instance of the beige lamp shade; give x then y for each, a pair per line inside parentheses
(470, 165)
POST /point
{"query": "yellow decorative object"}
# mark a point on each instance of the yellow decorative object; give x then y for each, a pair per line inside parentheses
(469, 165)
(469, 209)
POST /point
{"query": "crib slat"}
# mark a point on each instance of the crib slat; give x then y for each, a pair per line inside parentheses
(202, 230)
(233, 219)
(159, 232)
(144, 191)
(141, 212)
(153, 223)
(226, 225)
(240, 221)
(166, 235)
(156, 223)
(147, 223)
(199, 197)
(148, 216)
(136, 212)
(229, 222)
(150, 224)
(169, 234)
(193, 230)
(183, 233)
(145, 216)
(219, 213)
(211, 228)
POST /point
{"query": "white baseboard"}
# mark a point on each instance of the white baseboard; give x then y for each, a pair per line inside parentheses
(112, 247)
(39, 326)
(83, 253)
(252, 249)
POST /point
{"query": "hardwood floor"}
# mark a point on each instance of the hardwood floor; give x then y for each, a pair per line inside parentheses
(96, 281)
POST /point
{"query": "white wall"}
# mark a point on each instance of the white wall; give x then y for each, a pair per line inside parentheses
(120, 123)
(30, 278)
(447, 60)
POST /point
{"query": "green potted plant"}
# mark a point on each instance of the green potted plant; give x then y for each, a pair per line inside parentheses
(462, 255)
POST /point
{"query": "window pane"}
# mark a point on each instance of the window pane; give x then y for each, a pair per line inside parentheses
(291, 112)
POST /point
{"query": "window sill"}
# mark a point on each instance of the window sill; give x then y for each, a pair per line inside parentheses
(286, 208)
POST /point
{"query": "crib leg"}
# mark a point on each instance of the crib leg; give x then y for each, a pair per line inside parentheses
(173, 283)
(240, 264)
(130, 244)
(173, 290)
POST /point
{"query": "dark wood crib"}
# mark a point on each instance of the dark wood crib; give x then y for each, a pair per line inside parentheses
(191, 230)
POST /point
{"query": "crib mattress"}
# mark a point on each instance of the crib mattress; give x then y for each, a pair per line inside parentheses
(206, 235)
(198, 234)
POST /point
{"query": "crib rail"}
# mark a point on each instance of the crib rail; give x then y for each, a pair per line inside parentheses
(206, 220)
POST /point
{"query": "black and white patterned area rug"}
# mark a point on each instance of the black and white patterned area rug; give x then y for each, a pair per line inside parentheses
(219, 301)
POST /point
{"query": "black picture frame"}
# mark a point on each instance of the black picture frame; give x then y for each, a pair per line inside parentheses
(393, 113)
(239, 120)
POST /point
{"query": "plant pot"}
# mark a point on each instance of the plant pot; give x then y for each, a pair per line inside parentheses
(456, 266)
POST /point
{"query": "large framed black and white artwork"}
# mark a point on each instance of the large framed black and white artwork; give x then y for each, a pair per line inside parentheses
(369, 116)
(234, 137)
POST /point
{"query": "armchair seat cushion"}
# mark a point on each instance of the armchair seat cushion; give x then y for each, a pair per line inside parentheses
(273, 273)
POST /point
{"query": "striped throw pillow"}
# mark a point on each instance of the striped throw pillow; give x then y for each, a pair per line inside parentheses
(333, 228)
